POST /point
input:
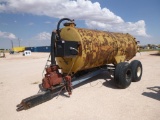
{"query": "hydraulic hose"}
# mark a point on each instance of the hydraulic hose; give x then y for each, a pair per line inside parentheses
(58, 26)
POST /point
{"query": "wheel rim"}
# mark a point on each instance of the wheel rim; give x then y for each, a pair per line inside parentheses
(139, 70)
(128, 75)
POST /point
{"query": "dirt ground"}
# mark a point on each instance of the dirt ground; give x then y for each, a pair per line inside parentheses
(98, 99)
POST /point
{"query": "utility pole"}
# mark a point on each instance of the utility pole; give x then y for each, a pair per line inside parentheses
(19, 42)
(12, 43)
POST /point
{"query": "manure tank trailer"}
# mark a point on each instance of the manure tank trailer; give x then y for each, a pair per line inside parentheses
(78, 54)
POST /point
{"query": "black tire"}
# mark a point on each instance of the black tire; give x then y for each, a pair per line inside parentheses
(123, 75)
(137, 70)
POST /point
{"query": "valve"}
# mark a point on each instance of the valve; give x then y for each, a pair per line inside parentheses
(68, 84)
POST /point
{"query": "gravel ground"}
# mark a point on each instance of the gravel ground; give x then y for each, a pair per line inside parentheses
(98, 99)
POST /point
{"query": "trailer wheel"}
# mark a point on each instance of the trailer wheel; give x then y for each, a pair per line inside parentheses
(123, 75)
(136, 68)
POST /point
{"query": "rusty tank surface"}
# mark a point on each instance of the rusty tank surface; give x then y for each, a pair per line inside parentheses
(77, 54)
(96, 48)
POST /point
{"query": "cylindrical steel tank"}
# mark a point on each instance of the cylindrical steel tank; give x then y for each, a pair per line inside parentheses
(96, 48)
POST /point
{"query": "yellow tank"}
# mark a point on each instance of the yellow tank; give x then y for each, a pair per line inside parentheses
(77, 49)
(18, 49)
(97, 48)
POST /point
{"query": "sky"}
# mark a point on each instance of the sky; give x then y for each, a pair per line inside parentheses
(30, 22)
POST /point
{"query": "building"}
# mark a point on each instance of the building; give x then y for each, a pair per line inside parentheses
(39, 49)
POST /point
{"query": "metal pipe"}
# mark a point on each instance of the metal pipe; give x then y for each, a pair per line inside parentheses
(53, 39)
(35, 100)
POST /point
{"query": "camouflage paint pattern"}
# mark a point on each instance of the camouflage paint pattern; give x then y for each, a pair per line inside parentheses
(97, 48)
